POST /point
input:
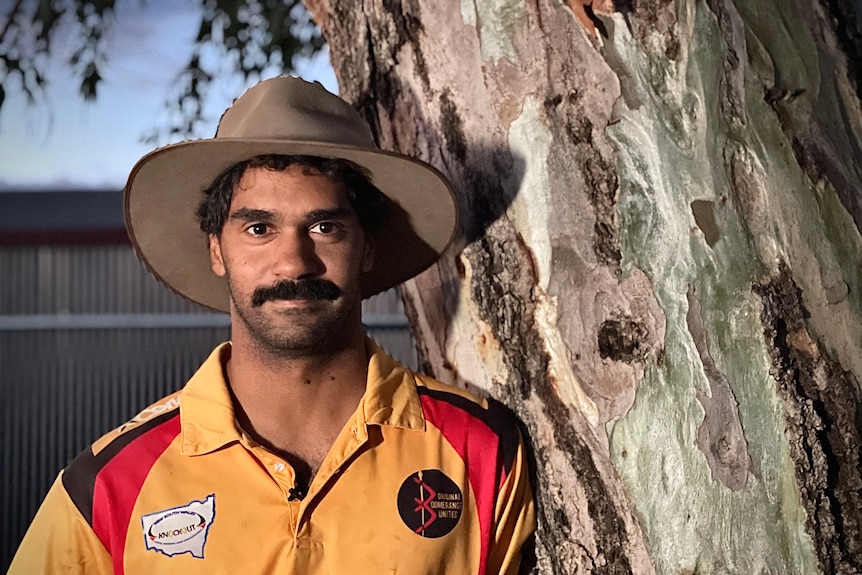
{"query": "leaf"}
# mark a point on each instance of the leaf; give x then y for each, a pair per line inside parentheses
(247, 38)
(89, 83)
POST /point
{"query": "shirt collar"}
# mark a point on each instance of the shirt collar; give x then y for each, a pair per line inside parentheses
(206, 410)
(207, 415)
(390, 392)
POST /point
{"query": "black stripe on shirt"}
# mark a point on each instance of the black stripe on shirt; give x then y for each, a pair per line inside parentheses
(79, 477)
(497, 417)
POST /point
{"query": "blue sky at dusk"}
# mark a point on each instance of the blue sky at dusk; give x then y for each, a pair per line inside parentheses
(62, 142)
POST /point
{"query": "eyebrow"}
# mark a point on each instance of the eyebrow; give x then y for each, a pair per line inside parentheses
(257, 215)
(333, 214)
(250, 215)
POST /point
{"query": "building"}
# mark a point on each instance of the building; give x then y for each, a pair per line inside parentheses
(88, 338)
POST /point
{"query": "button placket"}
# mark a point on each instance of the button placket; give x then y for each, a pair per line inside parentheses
(336, 464)
(284, 476)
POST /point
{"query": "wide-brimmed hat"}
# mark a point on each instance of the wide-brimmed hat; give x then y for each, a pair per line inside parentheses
(289, 116)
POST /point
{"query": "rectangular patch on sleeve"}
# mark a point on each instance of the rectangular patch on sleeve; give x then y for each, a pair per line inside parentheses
(181, 529)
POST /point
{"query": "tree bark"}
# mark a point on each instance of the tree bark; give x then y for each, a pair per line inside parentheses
(658, 268)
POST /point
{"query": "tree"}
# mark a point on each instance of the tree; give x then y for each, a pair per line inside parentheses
(659, 265)
(235, 36)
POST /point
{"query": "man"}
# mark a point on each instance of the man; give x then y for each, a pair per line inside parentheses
(299, 446)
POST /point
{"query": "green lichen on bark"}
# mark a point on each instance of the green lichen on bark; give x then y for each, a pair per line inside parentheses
(671, 153)
(775, 195)
(720, 436)
(496, 21)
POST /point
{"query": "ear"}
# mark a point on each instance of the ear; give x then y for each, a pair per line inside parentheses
(216, 259)
(368, 256)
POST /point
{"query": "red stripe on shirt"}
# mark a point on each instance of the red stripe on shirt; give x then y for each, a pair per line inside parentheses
(478, 447)
(120, 481)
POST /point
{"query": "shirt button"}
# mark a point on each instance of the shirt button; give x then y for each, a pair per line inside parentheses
(279, 467)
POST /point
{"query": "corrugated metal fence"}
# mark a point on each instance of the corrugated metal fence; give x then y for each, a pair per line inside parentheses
(87, 339)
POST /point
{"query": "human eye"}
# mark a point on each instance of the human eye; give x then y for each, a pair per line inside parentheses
(257, 229)
(326, 228)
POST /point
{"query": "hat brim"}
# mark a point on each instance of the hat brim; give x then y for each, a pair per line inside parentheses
(166, 186)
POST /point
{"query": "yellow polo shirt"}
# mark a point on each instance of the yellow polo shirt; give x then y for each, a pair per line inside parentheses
(423, 479)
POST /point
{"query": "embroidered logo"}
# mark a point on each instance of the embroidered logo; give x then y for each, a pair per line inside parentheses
(430, 503)
(180, 529)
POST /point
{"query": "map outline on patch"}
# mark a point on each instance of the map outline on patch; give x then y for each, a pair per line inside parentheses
(181, 529)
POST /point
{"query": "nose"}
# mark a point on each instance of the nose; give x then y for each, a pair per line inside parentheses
(296, 257)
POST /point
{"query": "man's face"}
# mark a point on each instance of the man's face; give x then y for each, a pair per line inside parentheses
(293, 250)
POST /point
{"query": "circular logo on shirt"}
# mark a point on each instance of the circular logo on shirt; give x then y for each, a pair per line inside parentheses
(430, 503)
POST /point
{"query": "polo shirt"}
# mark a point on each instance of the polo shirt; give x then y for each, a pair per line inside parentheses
(423, 478)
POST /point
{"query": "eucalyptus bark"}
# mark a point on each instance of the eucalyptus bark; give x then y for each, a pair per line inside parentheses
(658, 268)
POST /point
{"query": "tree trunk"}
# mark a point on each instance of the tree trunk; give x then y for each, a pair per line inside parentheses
(659, 265)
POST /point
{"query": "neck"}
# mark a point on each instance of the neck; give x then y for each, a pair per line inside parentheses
(283, 399)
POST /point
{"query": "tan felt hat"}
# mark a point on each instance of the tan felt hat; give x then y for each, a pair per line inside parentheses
(283, 115)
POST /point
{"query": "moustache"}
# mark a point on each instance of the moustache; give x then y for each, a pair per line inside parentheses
(292, 290)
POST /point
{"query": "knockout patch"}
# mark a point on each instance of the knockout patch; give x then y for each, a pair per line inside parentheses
(181, 529)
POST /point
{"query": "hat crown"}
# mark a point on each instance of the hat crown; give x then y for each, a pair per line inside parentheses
(288, 108)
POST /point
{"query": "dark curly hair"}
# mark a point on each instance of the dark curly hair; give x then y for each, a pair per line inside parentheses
(369, 203)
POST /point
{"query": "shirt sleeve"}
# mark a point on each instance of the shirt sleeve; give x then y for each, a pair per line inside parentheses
(59, 540)
(516, 518)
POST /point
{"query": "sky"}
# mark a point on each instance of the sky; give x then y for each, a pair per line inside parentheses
(63, 142)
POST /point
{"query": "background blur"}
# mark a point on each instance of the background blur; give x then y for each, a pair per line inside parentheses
(87, 337)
